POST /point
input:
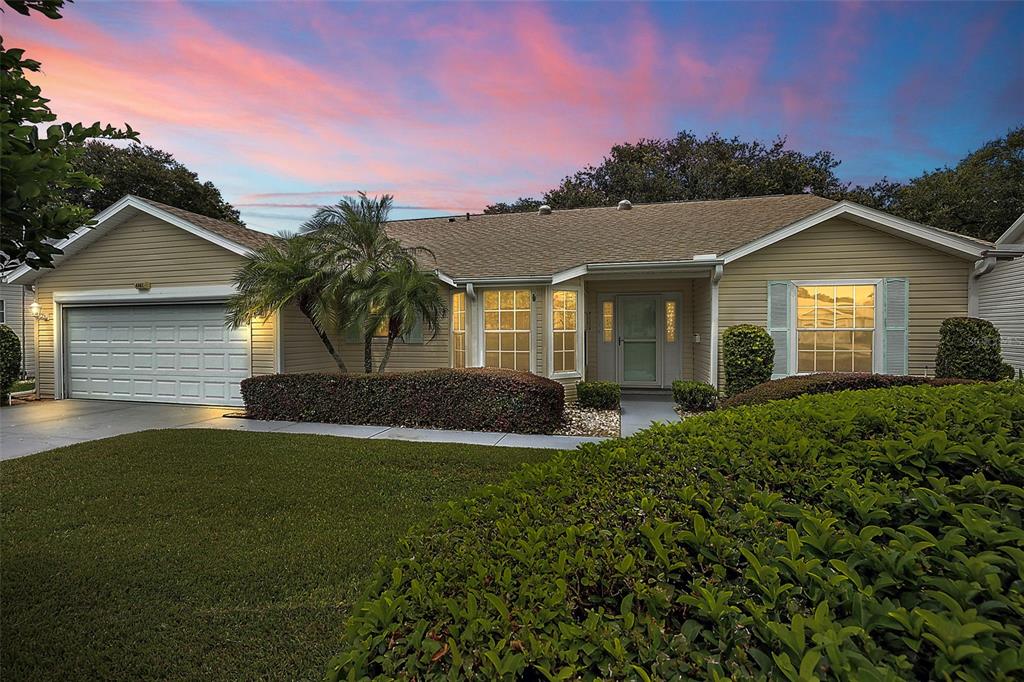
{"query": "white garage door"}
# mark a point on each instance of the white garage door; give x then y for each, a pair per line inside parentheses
(155, 353)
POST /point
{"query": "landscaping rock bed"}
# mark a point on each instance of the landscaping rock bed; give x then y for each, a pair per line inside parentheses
(581, 421)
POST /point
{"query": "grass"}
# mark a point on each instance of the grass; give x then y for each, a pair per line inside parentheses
(23, 385)
(208, 554)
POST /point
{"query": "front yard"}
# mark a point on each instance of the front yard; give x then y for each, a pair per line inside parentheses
(208, 554)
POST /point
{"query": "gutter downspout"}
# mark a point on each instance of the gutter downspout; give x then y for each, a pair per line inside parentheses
(716, 276)
(981, 267)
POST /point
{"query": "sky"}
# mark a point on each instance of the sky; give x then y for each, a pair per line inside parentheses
(286, 106)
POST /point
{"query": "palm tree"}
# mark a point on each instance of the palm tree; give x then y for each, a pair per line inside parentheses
(401, 295)
(284, 271)
(352, 239)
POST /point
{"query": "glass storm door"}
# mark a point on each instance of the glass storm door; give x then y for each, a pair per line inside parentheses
(638, 340)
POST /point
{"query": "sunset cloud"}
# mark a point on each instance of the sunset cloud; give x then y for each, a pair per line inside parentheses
(453, 106)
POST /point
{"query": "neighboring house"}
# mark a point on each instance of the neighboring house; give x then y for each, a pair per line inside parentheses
(14, 312)
(998, 293)
(633, 294)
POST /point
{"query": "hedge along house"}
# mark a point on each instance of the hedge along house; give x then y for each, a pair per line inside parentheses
(638, 295)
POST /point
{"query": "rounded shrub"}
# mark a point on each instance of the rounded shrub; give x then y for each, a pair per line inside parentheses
(10, 361)
(748, 355)
(969, 348)
(598, 395)
(694, 396)
(1006, 371)
(874, 535)
(828, 382)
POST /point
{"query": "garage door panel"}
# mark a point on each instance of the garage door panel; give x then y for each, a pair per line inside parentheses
(162, 353)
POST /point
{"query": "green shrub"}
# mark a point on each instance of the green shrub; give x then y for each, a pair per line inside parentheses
(874, 535)
(471, 399)
(828, 382)
(10, 361)
(695, 396)
(748, 355)
(1006, 371)
(968, 349)
(598, 395)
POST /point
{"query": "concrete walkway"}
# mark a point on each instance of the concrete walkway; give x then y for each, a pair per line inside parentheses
(638, 411)
(46, 424)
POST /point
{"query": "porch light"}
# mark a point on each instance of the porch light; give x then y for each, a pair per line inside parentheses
(37, 311)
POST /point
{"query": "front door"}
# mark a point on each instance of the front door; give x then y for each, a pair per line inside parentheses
(638, 361)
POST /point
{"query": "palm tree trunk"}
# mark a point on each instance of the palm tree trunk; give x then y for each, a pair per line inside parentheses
(387, 354)
(368, 354)
(326, 340)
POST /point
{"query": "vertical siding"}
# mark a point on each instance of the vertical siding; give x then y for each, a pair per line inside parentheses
(702, 325)
(18, 317)
(143, 248)
(1001, 301)
(840, 249)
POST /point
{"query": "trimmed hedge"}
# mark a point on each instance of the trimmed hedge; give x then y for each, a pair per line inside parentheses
(828, 382)
(748, 357)
(10, 362)
(695, 396)
(874, 535)
(599, 395)
(969, 348)
(470, 399)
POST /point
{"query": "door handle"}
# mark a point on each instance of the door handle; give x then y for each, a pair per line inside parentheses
(620, 340)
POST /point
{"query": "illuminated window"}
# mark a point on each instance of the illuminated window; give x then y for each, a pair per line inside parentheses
(459, 329)
(835, 328)
(381, 332)
(507, 329)
(564, 319)
(670, 321)
(608, 321)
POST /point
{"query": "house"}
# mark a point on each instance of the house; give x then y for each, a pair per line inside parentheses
(998, 294)
(15, 302)
(633, 294)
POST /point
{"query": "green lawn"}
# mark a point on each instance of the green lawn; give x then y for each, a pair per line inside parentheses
(188, 554)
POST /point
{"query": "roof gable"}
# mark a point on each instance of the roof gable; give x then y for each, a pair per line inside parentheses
(234, 238)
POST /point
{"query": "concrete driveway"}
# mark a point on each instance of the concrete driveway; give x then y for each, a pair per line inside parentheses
(46, 424)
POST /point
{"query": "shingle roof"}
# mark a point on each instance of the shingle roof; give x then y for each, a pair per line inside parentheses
(530, 244)
(240, 235)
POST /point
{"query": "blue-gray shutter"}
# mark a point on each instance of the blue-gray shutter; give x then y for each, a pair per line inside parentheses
(779, 325)
(895, 322)
(415, 335)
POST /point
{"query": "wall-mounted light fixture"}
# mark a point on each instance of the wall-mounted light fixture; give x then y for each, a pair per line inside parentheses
(37, 311)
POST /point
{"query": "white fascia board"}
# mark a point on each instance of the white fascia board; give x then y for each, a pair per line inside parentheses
(908, 229)
(1014, 234)
(212, 292)
(445, 278)
(500, 281)
(75, 241)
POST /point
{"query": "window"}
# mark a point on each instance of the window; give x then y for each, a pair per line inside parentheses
(564, 319)
(459, 329)
(3, 312)
(507, 329)
(670, 321)
(608, 321)
(835, 328)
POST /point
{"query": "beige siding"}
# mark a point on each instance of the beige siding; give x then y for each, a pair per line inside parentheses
(18, 317)
(1001, 300)
(838, 249)
(701, 307)
(143, 249)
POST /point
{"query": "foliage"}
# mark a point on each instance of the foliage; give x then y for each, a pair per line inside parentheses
(598, 395)
(36, 163)
(694, 396)
(470, 399)
(980, 196)
(284, 272)
(206, 554)
(10, 361)
(149, 173)
(401, 297)
(873, 535)
(1006, 371)
(969, 348)
(748, 357)
(686, 168)
(827, 382)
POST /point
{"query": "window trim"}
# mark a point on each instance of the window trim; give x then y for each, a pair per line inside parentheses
(465, 331)
(877, 361)
(3, 311)
(549, 332)
(478, 319)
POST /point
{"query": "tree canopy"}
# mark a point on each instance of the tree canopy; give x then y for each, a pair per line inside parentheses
(981, 196)
(149, 173)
